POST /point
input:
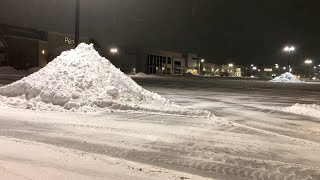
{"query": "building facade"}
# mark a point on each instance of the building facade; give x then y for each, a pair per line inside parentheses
(24, 48)
(153, 61)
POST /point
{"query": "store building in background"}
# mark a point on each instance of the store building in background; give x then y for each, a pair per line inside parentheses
(25, 48)
(153, 61)
(193, 63)
(3, 50)
(210, 69)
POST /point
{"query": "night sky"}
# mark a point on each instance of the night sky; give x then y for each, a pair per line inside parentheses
(222, 31)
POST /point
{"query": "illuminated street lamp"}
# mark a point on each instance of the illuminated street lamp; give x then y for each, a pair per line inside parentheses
(308, 61)
(202, 60)
(114, 50)
(230, 65)
(289, 50)
(277, 66)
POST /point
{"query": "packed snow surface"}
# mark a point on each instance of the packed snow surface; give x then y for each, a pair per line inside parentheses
(287, 78)
(81, 80)
(304, 109)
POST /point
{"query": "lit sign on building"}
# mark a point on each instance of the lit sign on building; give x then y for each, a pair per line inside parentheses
(68, 41)
(268, 69)
(65, 40)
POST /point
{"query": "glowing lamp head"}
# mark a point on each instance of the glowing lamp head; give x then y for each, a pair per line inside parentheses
(308, 61)
(289, 49)
(114, 50)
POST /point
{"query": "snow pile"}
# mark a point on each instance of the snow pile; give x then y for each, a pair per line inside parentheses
(287, 78)
(81, 80)
(141, 74)
(304, 109)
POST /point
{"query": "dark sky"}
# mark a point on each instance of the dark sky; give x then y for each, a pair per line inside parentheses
(242, 31)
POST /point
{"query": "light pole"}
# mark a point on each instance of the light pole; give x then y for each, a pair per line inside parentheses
(308, 62)
(77, 24)
(276, 69)
(200, 66)
(289, 50)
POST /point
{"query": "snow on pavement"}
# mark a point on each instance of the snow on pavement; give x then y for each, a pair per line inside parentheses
(267, 145)
(21, 159)
(304, 109)
(192, 145)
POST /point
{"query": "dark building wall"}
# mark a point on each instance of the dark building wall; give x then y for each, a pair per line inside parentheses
(43, 53)
(23, 53)
(125, 59)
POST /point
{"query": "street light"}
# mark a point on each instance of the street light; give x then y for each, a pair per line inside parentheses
(308, 61)
(230, 65)
(289, 50)
(114, 50)
(202, 60)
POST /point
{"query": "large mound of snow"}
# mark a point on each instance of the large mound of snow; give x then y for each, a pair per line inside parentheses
(81, 80)
(304, 109)
(287, 78)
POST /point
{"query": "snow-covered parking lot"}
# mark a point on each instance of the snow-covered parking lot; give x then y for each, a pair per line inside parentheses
(252, 138)
(80, 117)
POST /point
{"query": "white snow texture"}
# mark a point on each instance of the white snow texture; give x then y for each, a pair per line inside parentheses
(286, 78)
(304, 109)
(81, 80)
